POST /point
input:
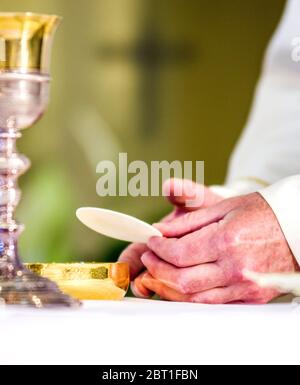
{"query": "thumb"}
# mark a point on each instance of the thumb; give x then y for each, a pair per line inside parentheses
(194, 220)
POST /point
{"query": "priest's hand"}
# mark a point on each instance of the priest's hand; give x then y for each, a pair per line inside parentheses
(200, 195)
(204, 253)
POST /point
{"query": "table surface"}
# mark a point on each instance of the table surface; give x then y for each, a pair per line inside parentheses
(137, 331)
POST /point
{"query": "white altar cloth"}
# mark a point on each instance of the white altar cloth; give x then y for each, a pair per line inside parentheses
(137, 331)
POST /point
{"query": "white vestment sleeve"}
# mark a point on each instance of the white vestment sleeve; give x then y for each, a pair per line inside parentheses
(269, 148)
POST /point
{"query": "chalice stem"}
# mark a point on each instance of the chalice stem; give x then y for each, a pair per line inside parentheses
(12, 165)
(18, 286)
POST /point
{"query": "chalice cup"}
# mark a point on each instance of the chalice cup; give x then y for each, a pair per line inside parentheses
(25, 49)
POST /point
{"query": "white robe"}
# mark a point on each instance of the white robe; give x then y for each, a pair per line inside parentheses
(268, 152)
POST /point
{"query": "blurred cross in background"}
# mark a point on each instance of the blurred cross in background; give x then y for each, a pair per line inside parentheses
(150, 54)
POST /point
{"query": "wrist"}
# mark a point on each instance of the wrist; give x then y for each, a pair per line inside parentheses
(284, 199)
(241, 186)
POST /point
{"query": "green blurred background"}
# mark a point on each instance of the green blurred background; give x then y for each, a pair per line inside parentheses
(158, 79)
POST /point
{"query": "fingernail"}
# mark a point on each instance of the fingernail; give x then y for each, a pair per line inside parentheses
(148, 282)
(153, 239)
(146, 278)
(137, 293)
(145, 256)
(156, 225)
(162, 227)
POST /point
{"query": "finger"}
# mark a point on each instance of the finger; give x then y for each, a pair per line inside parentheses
(222, 295)
(132, 255)
(138, 288)
(163, 291)
(216, 296)
(195, 220)
(194, 249)
(181, 191)
(242, 292)
(185, 280)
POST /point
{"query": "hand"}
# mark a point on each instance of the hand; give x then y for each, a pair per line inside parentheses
(204, 197)
(206, 251)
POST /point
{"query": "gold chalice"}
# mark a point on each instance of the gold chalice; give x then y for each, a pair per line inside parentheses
(25, 48)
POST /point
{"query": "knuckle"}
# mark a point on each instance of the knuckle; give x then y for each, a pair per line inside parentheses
(177, 254)
(230, 238)
(179, 260)
(183, 284)
(130, 251)
(124, 256)
(229, 241)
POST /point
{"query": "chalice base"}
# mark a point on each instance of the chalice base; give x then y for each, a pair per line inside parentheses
(27, 289)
